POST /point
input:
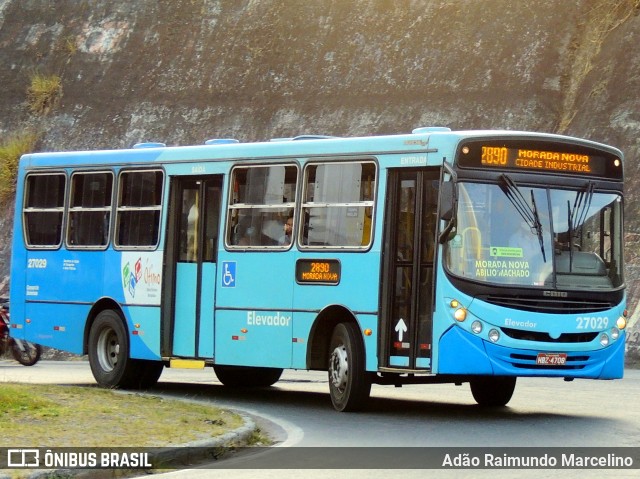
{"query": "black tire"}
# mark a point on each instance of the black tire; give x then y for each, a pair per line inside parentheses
(349, 383)
(29, 356)
(109, 356)
(493, 391)
(148, 373)
(247, 377)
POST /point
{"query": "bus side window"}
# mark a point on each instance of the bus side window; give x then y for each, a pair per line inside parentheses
(262, 199)
(338, 204)
(139, 206)
(89, 210)
(43, 208)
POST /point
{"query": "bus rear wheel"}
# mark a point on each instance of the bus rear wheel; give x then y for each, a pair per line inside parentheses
(493, 391)
(349, 383)
(109, 356)
(247, 377)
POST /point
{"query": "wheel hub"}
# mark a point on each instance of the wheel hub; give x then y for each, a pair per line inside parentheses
(339, 367)
(108, 349)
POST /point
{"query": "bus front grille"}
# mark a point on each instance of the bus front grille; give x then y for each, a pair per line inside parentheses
(547, 305)
(546, 338)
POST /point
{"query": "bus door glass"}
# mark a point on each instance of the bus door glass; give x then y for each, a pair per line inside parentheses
(406, 319)
(191, 264)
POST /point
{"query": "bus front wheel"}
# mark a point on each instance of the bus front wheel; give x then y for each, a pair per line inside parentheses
(349, 383)
(109, 356)
(493, 391)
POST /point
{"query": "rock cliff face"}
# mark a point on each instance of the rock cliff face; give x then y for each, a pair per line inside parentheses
(183, 71)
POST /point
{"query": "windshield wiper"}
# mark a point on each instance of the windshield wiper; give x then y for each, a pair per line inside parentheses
(528, 214)
(538, 226)
(581, 205)
(577, 216)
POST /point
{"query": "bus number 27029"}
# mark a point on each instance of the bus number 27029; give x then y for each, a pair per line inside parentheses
(37, 263)
(592, 322)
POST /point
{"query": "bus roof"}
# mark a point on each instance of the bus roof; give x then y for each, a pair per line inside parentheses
(429, 139)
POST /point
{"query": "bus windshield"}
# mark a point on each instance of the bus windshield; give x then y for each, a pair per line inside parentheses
(509, 234)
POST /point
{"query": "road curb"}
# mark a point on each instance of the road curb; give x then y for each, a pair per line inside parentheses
(179, 456)
(207, 449)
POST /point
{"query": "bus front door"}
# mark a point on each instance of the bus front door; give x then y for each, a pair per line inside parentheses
(190, 267)
(407, 284)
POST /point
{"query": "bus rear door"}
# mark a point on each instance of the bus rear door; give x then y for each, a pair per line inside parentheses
(407, 279)
(190, 267)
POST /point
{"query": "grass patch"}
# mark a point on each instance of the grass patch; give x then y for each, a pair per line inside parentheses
(44, 93)
(15, 400)
(11, 150)
(33, 415)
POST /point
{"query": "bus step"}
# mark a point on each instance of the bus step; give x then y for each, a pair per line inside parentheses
(186, 363)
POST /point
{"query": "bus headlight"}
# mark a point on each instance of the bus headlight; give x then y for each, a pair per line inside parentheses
(604, 339)
(476, 327)
(460, 314)
(494, 335)
(615, 333)
(621, 323)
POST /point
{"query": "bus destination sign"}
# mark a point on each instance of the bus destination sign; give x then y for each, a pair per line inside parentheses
(536, 159)
(547, 157)
(318, 271)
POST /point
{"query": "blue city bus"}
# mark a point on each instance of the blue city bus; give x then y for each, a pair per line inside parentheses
(433, 257)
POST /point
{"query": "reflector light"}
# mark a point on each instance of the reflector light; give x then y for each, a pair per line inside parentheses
(494, 335)
(476, 327)
(615, 333)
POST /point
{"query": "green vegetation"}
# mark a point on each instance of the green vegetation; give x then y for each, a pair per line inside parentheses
(70, 416)
(11, 150)
(44, 93)
(70, 45)
(15, 400)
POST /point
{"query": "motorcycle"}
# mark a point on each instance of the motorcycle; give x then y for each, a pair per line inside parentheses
(24, 352)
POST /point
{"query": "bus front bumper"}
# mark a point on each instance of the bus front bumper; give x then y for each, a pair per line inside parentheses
(463, 353)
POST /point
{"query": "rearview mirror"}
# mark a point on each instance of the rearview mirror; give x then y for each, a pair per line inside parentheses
(447, 201)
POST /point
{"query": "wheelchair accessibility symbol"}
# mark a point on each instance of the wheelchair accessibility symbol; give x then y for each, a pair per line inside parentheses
(228, 274)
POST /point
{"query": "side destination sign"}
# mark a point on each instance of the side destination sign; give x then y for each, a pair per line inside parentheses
(318, 271)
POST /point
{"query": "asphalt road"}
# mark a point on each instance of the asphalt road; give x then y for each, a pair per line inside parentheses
(297, 412)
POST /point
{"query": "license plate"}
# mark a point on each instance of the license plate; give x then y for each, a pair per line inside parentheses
(551, 359)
